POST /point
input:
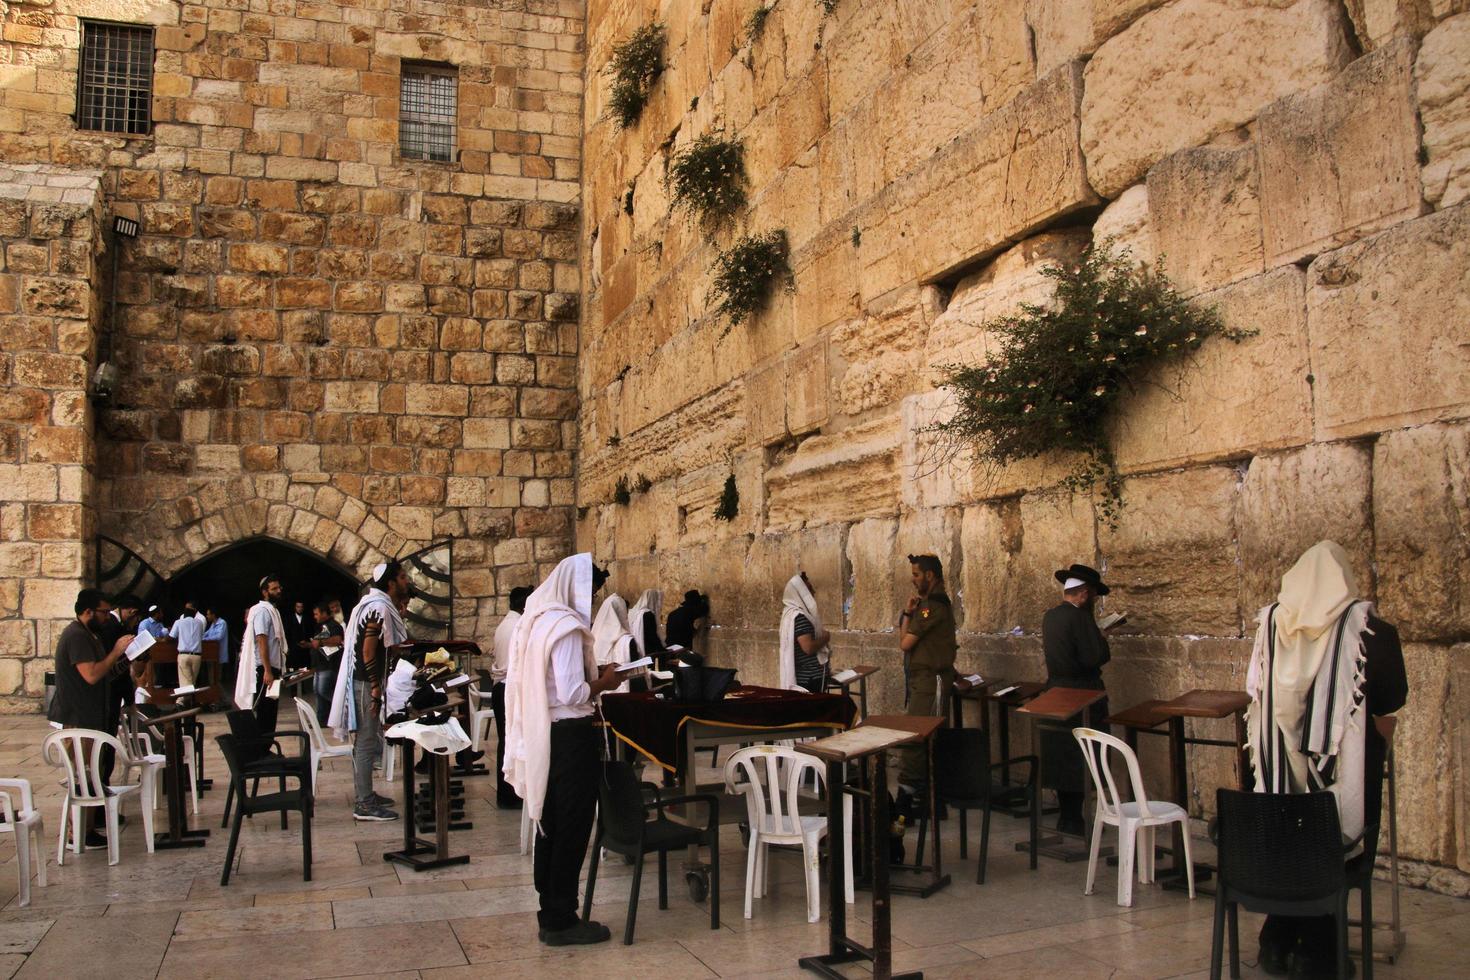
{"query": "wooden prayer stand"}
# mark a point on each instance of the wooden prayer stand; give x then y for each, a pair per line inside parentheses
(166, 651)
(863, 671)
(868, 743)
(1058, 706)
(174, 773)
(1016, 694)
(416, 850)
(921, 727)
(1199, 704)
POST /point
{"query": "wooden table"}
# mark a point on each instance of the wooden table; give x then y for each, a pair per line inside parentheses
(985, 692)
(415, 850)
(1058, 707)
(174, 773)
(922, 727)
(1199, 704)
(863, 671)
(872, 750)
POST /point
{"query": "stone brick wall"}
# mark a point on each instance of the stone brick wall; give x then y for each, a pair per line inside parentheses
(49, 220)
(1301, 164)
(319, 340)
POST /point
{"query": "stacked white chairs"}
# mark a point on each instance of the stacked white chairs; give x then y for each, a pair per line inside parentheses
(78, 751)
(770, 778)
(1136, 821)
(23, 820)
(317, 742)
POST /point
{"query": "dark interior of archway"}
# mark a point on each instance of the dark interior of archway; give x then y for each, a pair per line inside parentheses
(229, 580)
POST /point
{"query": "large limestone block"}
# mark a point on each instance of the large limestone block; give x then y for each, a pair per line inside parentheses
(1186, 72)
(1205, 212)
(1126, 223)
(1459, 715)
(1012, 278)
(1011, 549)
(1171, 561)
(774, 558)
(1290, 501)
(847, 475)
(1378, 22)
(881, 352)
(1018, 169)
(1442, 80)
(871, 548)
(1342, 160)
(1421, 518)
(807, 388)
(1423, 751)
(1389, 324)
(1229, 398)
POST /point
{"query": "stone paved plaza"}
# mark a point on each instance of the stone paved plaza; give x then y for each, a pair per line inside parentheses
(165, 915)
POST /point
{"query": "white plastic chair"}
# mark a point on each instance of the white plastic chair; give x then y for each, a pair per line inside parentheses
(23, 821)
(770, 777)
(480, 716)
(152, 763)
(79, 752)
(527, 837)
(1136, 821)
(320, 748)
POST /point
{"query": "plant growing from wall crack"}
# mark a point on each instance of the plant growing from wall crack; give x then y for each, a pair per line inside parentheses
(827, 6)
(747, 272)
(755, 24)
(728, 507)
(1062, 368)
(634, 66)
(622, 495)
(708, 178)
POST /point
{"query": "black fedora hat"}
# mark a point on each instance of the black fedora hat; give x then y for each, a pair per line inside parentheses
(1084, 574)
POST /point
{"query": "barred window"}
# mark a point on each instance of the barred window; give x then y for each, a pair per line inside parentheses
(428, 106)
(115, 84)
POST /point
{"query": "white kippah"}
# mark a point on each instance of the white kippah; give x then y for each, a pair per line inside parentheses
(1072, 583)
(379, 569)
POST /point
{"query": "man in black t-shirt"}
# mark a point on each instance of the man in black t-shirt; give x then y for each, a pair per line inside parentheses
(326, 658)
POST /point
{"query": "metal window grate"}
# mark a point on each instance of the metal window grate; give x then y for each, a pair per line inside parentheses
(116, 81)
(428, 106)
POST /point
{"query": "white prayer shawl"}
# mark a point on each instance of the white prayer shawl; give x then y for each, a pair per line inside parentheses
(560, 607)
(1305, 726)
(797, 599)
(343, 717)
(250, 657)
(651, 601)
(612, 641)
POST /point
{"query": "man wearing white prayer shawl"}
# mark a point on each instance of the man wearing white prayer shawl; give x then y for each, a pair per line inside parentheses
(553, 754)
(263, 648)
(358, 703)
(612, 642)
(804, 653)
(643, 620)
(1323, 665)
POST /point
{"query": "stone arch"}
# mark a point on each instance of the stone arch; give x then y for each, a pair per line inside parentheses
(317, 517)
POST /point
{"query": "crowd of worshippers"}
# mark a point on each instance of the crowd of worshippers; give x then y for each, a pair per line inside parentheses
(1325, 678)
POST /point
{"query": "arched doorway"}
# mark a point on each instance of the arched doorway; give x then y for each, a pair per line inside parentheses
(229, 579)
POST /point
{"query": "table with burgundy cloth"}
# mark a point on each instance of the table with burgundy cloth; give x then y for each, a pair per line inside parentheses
(669, 732)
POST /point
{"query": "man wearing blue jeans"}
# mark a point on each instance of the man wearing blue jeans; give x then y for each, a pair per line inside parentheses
(374, 628)
(326, 650)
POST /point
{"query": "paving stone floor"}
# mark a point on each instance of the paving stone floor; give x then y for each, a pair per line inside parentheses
(165, 915)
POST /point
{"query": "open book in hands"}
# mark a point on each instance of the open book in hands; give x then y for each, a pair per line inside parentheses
(140, 645)
(635, 664)
(1111, 620)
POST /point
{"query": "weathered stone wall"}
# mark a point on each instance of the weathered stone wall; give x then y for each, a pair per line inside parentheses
(49, 218)
(1301, 164)
(319, 340)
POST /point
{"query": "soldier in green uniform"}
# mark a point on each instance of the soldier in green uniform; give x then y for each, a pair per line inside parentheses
(927, 639)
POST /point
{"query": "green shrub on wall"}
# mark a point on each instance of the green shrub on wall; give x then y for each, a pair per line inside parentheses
(708, 178)
(1062, 368)
(755, 24)
(746, 274)
(728, 507)
(634, 67)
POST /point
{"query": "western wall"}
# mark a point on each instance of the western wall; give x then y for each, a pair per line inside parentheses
(1301, 165)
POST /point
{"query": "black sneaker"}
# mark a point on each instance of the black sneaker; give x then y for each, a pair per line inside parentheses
(374, 812)
(94, 841)
(380, 800)
(581, 934)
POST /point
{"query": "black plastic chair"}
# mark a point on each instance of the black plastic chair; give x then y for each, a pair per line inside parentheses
(1282, 854)
(623, 827)
(260, 755)
(963, 775)
(251, 803)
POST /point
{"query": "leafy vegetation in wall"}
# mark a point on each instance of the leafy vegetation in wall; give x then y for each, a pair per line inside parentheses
(827, 6)
(728, 507)
(1062, 368)
(755, 24)
(708, 178)
(622, 493)
(634, 67)
(747, 273)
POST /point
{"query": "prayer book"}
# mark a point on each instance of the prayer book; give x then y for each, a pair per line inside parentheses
(642, 662)
(459, 681)
(274, 691)
(140, 645)
(186, 689)
(1004, 691)
(1111, 620)
(843, 676)
(975, 679)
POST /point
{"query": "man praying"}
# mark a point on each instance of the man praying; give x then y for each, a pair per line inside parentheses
(1075, 651)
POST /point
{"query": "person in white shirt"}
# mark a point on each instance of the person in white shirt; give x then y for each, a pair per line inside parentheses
(553, 752)
(188, 632)
(505, 795)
